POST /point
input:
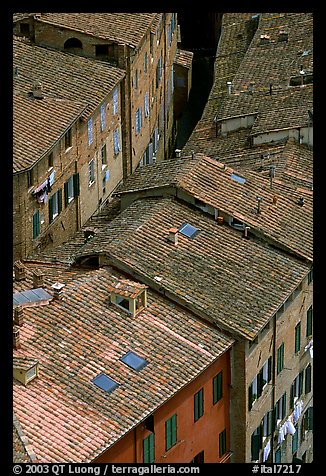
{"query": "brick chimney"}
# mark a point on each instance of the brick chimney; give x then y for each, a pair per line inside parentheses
(20, 271)
(173, 236)
(57, 290)
(19, 316)
(16, 337)
(38, 279)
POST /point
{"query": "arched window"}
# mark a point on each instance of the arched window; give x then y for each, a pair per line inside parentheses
(73, 43)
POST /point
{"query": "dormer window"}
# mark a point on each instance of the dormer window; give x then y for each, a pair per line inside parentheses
(25, 369)
(129, 295)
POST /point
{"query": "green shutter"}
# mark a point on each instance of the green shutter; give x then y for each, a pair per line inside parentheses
(198, 404)
(222, 443)
(309, 418)
(280, 358)
(59, 192)
(170, 432)
(301, 374)
(283, 406)
(148, 449)
(295, 440)
(76, 184)
(174, 429)
(307, 381)
(256, 444)
(309, 322)
(292, 397)
(66, 195)
(269, 369)
(51, 209)
(36, 224)
(250, 397)
(297, 337)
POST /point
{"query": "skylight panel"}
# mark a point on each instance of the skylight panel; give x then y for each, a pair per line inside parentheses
(134, 361)
(31, 295)
(105, 383)
(189, 230)
(238, 179)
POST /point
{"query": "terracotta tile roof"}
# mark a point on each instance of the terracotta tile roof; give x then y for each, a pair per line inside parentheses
(22, 451)
(65, 416)
(22, 362)
(123, 28)
(63, 75)
(125, 287)
(237, 283)
(285, 222)
(38, 124)
(184, 58)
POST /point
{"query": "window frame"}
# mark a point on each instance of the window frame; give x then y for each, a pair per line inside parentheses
(36, 225)
(55, 205)
(297, 337)
(218, 387)
(91, 172)
(149, 449)
(280, 359)
(222, 443)
(170, 432)
(309, 321)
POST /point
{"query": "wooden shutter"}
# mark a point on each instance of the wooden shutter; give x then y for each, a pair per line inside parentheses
(59, 192)
(309, 417)
(307, 382)
(36, 224)
(269, 369)
(250, 402)
(51, 209)
(76, 184)
(283, 405)
(66, 194)
(148, 449)
(292, 397)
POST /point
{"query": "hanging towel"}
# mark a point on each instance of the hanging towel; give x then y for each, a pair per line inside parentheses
(267, 450)
(290, 427)
(281, 435)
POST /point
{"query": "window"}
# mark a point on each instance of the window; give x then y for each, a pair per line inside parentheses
(115, 101)
(73, 43)
(171, 432)
(145, 62)
(267, 424)
(138, 120)
(148, 449)
(307, 421)
(307, 380)
(189, 230)
(309, 322)
(103, 156)
(280, 408)
(50, 160)
(101, 50)
(116, 141)
(297, 337)
(134, 361)
(280, 358)
(24, 29)
(103, 117)
(146, 105)
(136, 79)
(90, 131)
(159, 71)
(199, 404)
(222, 443)
(296, 389)
(310, 276)
(256, 444)
(68, 139)
(295, 440)
(55, 205)
(199, 458)
(71, 189)
(259, 382)
(278, 455)
(36, 225)
(217, 387)
(105, 383)
(91, 172)
(30, 178)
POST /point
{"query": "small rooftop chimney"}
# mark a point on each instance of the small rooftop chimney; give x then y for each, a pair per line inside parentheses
(229, 86)
(20, 271)
(16, 337)
(173, 236)
(271, 174)
(283, 35)
(246, 232)
(251, 87)
(37, 90)
(57, 290)
(259, 200)
(38, 279)
(301, 201)
(265, 39)
(177, 153)
(19, 316)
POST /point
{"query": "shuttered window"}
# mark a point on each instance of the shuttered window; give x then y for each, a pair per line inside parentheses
(307, 380)
(36, 225)
(280, 358)
(199, 404)
(217, 387)
(297, 337)
(103, 117)
(171, 432)
(55, 205)
(256, 444)
(116, 141)
(115, 101)
(148, 449)
(309, 322)
(90, 131)
(222, 443)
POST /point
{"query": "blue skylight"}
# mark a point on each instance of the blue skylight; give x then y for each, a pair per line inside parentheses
(237, 178)
(189, 230)
(134, 361)
(105, 382)
(31, 295)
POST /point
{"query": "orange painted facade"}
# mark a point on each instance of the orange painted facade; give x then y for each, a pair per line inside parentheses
(192, 437)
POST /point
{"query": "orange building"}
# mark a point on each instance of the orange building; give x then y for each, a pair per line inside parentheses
(177, 431)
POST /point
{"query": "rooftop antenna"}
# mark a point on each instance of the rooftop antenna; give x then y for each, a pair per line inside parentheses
(259, 200)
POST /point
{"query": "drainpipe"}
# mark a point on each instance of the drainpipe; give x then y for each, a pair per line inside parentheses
(135, 445)
(273, 387)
